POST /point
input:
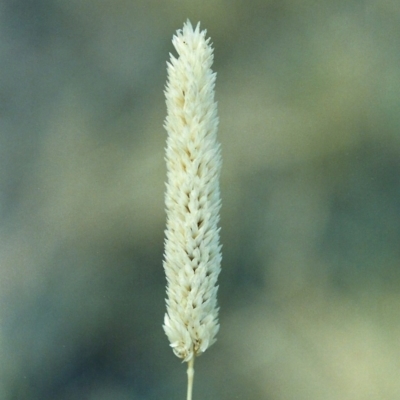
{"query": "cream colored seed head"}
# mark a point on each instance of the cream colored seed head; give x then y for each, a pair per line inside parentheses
(192, 250)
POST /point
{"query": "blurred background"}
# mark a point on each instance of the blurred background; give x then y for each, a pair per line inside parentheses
(309, 102)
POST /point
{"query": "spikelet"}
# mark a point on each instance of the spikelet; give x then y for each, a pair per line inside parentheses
(192, 255)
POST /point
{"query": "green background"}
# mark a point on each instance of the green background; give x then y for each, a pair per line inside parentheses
(309, 102)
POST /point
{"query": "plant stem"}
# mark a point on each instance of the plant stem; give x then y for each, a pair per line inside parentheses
(190, 373)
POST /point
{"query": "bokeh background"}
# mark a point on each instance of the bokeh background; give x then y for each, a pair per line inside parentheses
(309, 101)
